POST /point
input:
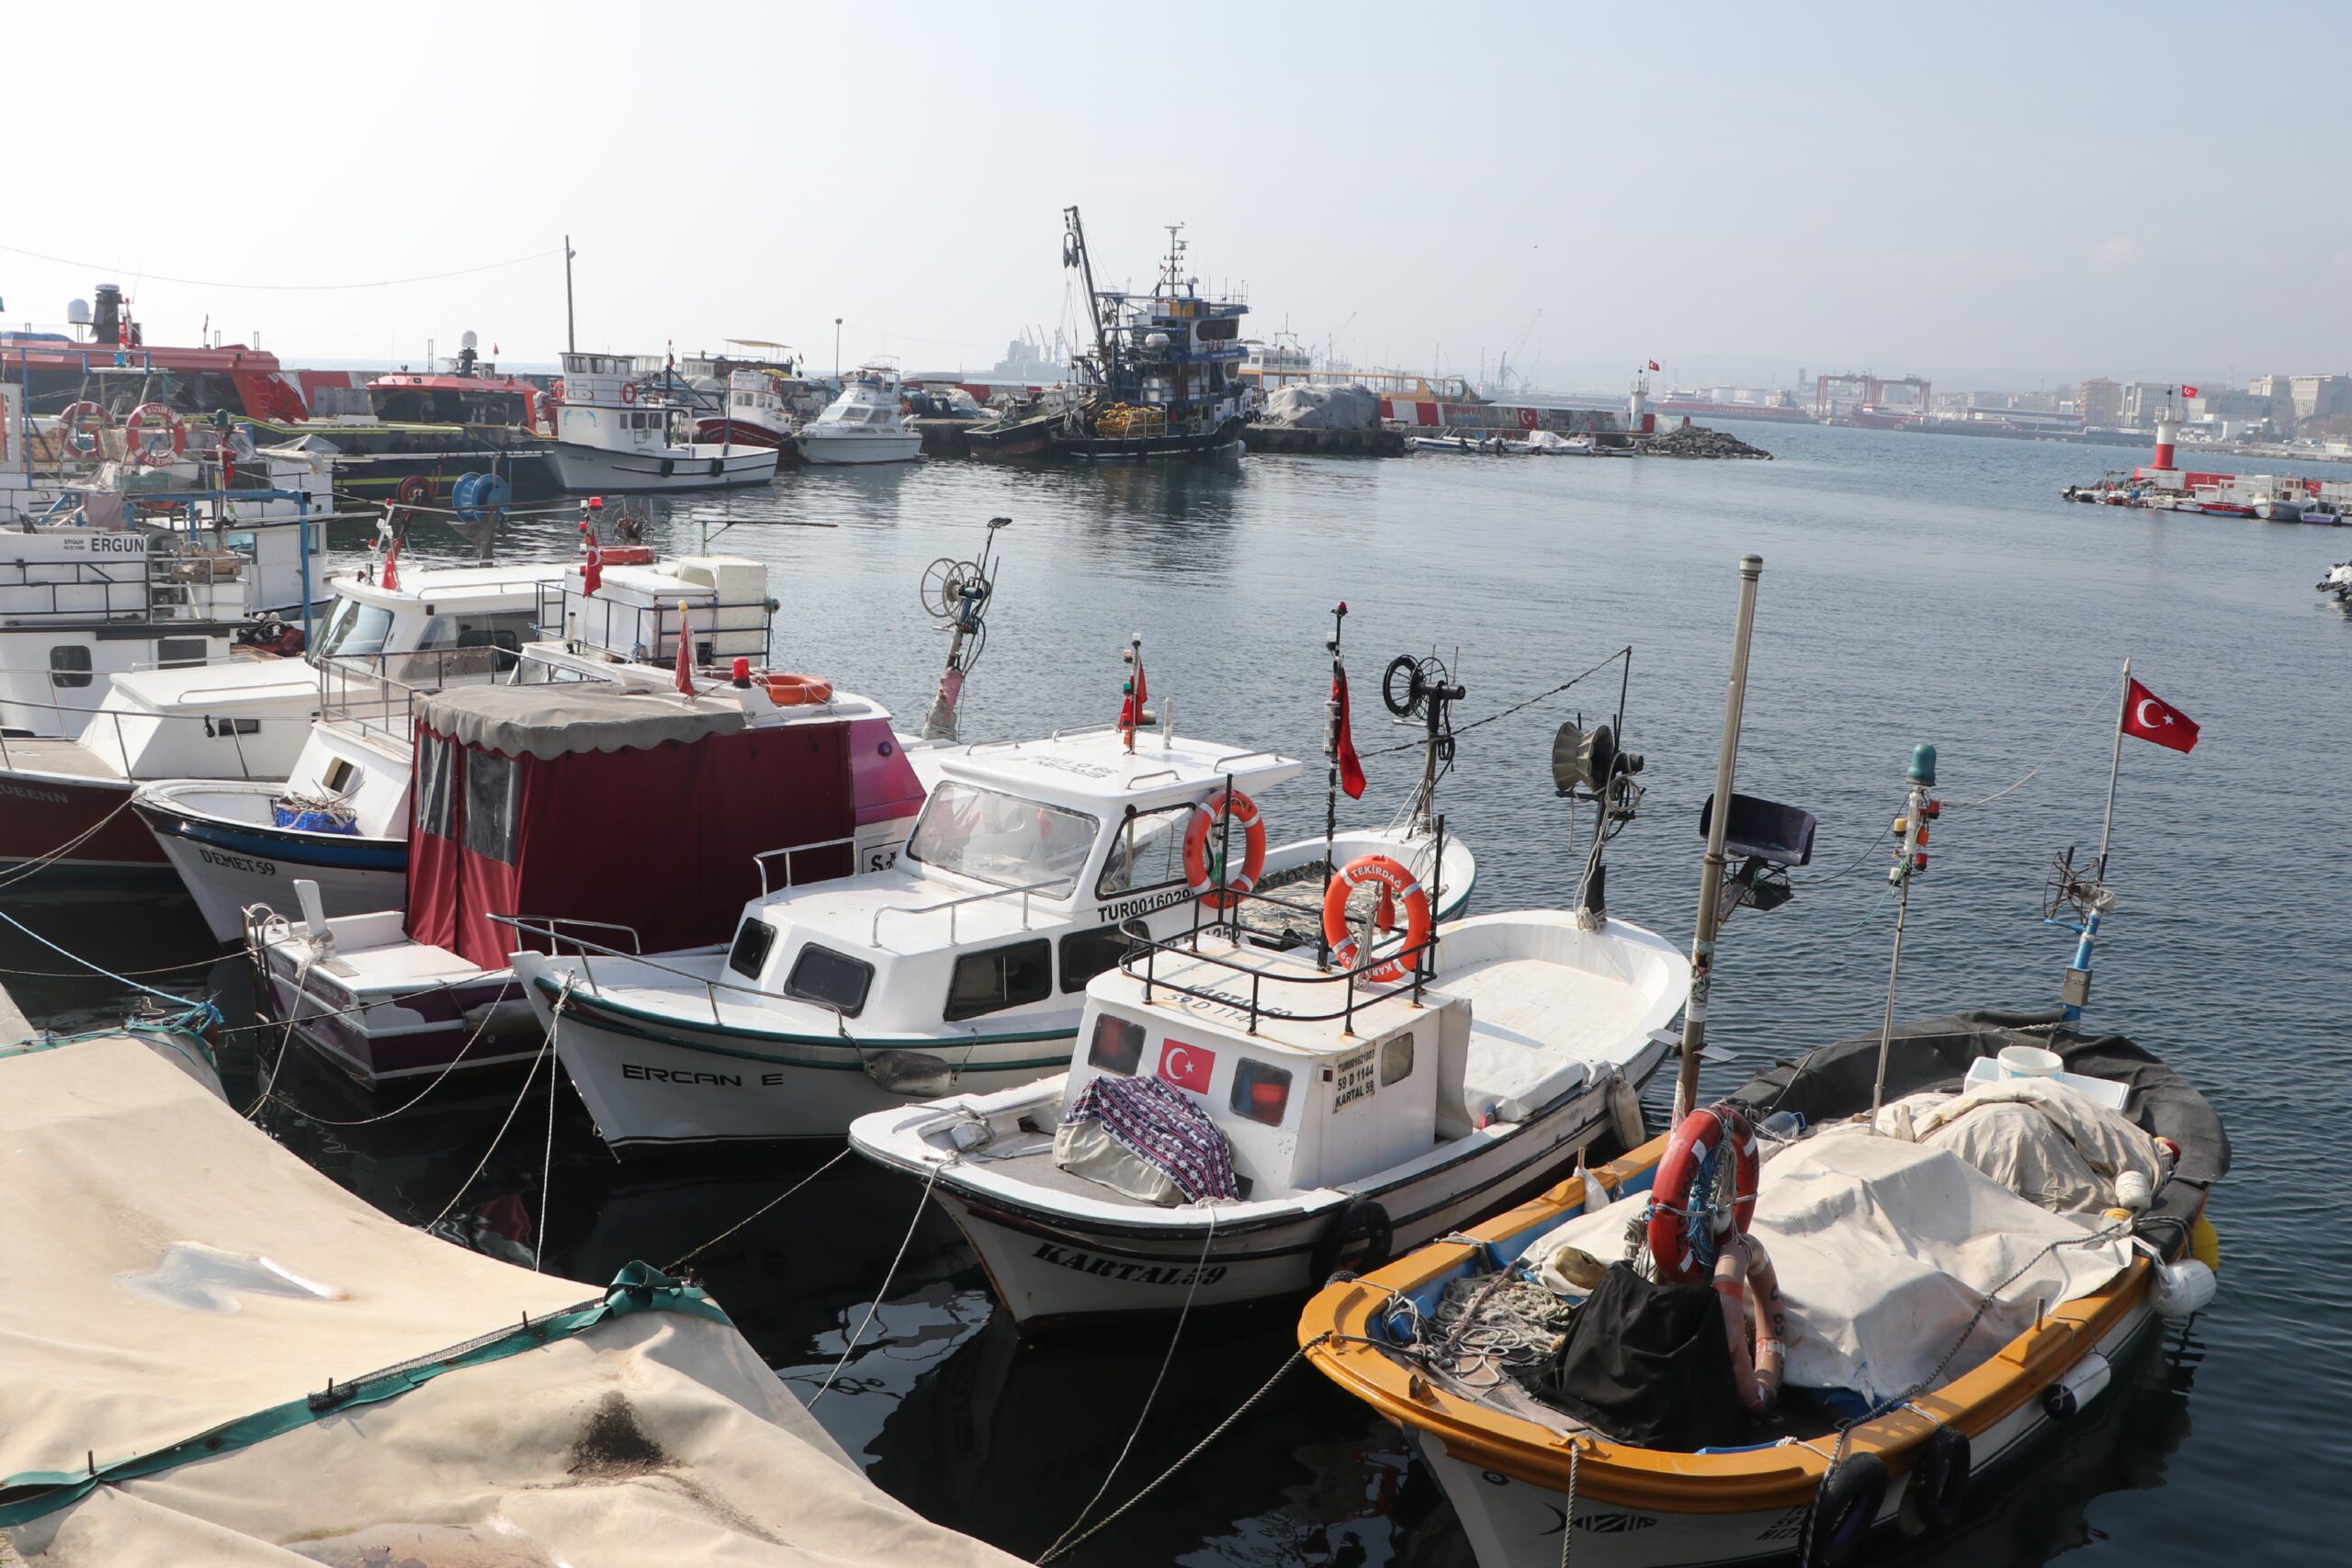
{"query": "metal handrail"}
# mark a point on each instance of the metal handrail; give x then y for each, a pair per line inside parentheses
(1224, 763)
(874, 932)
(761, 860)
(1155, 774)
(710, 987)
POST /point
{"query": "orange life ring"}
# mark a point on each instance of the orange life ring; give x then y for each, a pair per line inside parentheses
(1403, 887)
(74, 429)
(134, 436)
(795, 691)
(1747, 1285)
(1683, 1251)
(1244, 811)
(629, 391)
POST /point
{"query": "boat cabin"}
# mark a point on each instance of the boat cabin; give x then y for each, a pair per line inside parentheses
(605, 405)
(1017, 885)
(632, 613)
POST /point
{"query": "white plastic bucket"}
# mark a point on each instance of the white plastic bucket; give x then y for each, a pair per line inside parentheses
(2029, 1062)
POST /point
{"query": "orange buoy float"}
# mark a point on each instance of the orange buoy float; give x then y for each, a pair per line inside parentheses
(1396, 883)
(798, 691)
(1685, 1241)
(76, 432)
(1244, 812)
(135, 430)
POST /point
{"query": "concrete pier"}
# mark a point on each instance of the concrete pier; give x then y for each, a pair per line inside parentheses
(14, 1024)
(1286, 440)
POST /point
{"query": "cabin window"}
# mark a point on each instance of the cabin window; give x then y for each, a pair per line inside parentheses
(339, 771)
(505, 631)
(69, 666)
(831, 979)
(1088, 954)
(433, 765)
(1002, 840)
(751, 949)
(1261, 1092)
(1116, 1045)
(356, 630)
(1147, 850)
(236, 727)
(1396, 1060)
(179, 652)
(1000, 978)
(493, 785)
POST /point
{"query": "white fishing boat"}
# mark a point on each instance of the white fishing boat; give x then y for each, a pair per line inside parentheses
(617, 437)
(1236, 1124)
(341, 816)
(759, 412)
(2279, 508)
(862, 425)
(248, 716)
(964, 966)
(2338, 583)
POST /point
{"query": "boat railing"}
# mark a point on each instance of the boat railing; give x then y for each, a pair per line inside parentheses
(953, 906)
(379, 693)
(101, 734)
(762, 859)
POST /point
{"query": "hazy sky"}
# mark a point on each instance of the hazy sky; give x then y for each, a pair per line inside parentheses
(1977, 193)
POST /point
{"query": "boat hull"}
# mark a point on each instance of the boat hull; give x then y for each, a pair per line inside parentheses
(228, 866)
(849, 451)
(1224, 441)
(1053, 1270)
(581, 468)
(1514, 1523)
(41, 812)
(738, 432)
(380, 1035)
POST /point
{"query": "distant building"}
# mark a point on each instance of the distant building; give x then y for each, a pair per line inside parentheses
(2321, 397)
(2100, 401)
(2144, 400)
(2227, 403)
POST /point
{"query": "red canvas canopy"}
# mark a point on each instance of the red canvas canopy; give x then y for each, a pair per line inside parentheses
(590, 803)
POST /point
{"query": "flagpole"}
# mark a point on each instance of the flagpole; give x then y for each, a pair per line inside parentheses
(2114, 767)
(1331, 786)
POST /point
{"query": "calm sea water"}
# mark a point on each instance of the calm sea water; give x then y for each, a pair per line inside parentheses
(1915, 588)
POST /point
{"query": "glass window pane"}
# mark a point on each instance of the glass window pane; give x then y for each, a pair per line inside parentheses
(1396, 1060)
(177, 652)
(1260, 1092)
(1147, 851)
(493, 787)
(1000, 978)
(1002, 840)
(69, 666)
(1088, 954)
(1116, 1045)
(751, 949)
(832, 979)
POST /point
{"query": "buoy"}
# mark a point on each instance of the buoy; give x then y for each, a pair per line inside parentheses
(2181, 1290)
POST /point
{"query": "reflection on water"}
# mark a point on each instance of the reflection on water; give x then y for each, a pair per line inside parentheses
(1916, 588)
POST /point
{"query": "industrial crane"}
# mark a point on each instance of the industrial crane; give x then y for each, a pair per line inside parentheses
(1502, 367)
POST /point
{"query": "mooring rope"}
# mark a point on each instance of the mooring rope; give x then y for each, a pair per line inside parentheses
(547, 1050)
(446, 1068)
(1200, 1265)
(674, 1269)
(875, 1304)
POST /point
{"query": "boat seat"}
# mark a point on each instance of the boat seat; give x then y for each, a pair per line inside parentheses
(1508, 1052)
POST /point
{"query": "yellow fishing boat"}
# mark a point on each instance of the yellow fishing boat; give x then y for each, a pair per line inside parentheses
(1429, 1340)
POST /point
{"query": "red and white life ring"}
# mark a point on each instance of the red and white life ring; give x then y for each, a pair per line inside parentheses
(134, 436)
(629, 391)
(75, 431)
(1403, 887)
(1688, 1153)
(1746, 1284)
(1244, 812)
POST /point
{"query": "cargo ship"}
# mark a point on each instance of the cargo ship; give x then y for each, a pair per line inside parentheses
(1782, 408)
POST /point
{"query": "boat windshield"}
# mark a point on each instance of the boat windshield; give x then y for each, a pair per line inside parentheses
(356, 631)
(1002, 840)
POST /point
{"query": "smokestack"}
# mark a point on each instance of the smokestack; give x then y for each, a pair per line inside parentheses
(107, 328)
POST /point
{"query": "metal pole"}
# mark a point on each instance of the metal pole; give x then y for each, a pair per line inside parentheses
(571, 335)
(1331, 786)
(1914, 811)
(1710, 876)
(2114, 766)
(836, 354)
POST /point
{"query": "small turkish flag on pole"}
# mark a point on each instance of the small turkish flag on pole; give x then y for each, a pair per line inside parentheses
(2150, 717)
(2188, 391)
(1343, 743)
(686, 652)
(1653, 364)
(592, 570)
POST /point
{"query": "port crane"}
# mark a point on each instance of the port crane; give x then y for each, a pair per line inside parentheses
(1502, 367)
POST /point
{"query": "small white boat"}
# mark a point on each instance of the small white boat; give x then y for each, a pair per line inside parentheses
(2338, 581)
(863, 426)
(1551, 444)
(616, 437)
(1236, 1122)
(2278, 509)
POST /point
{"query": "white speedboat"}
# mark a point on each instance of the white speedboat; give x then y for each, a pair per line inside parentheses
(964, 966)
(1234, 1123)
(2278, 509)
(863, 426)
(2338, 581)
(614, 437)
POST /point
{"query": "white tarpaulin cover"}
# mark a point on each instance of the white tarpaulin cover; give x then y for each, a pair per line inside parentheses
(1351, 407)
(2037, 1138)
(179, 1273)
(1884, 1249)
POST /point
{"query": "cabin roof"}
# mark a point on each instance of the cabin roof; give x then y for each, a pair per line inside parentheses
(1093, 767)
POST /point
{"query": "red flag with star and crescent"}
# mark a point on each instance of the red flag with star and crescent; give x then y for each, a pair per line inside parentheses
(2151, 717)
(1343, 743)
(684, 675)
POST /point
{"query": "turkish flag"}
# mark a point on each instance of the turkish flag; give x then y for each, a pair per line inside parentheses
(392, 563)
(1653, 364)
(1186, 1066)
(2189, 392)
(2152, 718)
(1345, 742)
(591, 571)
(685, 671)
(1131, 705)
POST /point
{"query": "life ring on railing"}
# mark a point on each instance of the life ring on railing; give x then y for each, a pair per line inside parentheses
(134, 436)
(1402, 887)
(798, 691)
(629, 391)
(1747, 1285)
(1244, 812)
(1682, 1243)
(414, 490)
(76, 432)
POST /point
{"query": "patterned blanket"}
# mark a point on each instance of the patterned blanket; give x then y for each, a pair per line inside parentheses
(1164, 1129)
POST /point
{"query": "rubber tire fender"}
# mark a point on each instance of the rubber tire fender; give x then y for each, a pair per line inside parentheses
(1845, 1509)
(1357, 1216)
(1937, 1490)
